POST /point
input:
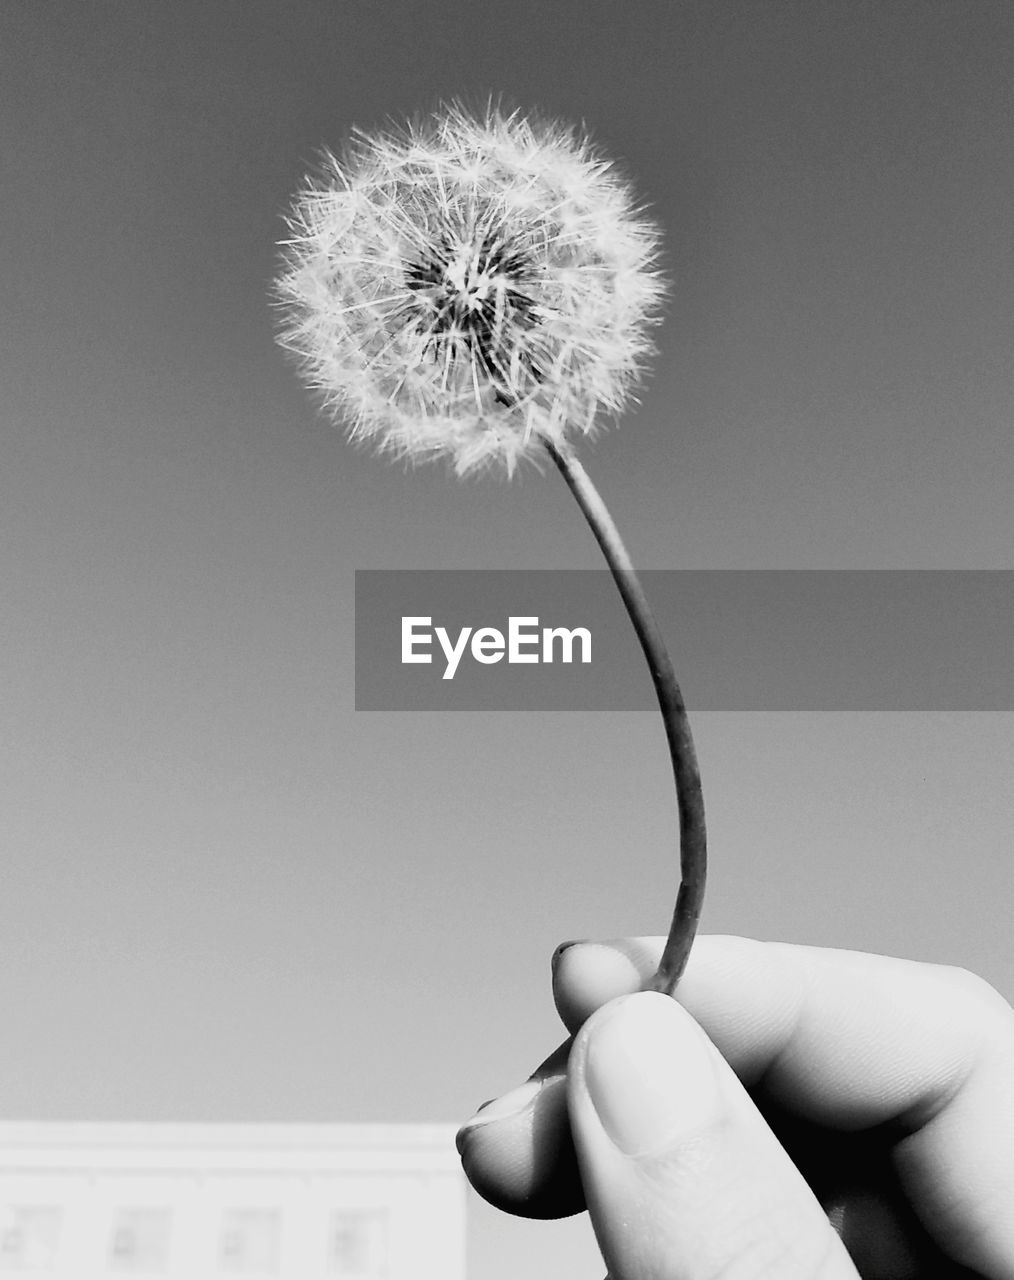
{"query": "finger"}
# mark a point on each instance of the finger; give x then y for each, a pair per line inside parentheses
(852, 1041)
(517, 1150)
(588, 974)
(519, 1155)
(683, 1176)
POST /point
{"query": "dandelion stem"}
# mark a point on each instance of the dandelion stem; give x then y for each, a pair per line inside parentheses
(689, 797)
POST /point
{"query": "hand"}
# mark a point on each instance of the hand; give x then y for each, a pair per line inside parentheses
(800, 1113)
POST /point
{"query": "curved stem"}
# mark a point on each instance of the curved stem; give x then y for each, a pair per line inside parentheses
(689, 797)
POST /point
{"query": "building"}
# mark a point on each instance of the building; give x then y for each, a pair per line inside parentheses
(206, 1201)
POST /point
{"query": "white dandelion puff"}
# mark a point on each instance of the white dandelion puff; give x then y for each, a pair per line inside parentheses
(470, 287)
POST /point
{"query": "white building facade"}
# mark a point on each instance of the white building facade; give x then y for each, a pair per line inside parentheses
(205, 1202)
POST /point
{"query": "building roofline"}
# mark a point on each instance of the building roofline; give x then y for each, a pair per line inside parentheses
(432, 1142)
(242, 1132)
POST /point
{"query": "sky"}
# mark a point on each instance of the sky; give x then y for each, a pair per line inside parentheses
(228, 895)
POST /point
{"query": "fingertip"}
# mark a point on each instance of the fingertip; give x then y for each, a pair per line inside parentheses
(648, 1072)
(588, 974)
(665, 1133)
(518, 1154)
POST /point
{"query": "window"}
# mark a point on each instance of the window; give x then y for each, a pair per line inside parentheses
(358, 1244)
(139, 1241)
(28, 1237)
(250, 1242)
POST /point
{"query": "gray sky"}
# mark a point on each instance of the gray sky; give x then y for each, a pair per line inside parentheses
(227, 895)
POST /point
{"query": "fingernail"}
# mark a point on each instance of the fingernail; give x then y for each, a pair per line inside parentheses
(565, 946)
(508, 1104)
(650, 1075)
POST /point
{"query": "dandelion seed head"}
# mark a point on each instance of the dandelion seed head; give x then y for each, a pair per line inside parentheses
(469, 287)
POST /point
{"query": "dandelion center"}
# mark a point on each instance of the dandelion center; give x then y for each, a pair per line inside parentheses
(470, 289)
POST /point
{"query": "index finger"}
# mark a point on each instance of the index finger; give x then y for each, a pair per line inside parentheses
(852, 1041)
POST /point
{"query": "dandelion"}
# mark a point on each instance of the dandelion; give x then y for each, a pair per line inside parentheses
(482, 288)
(470, 288)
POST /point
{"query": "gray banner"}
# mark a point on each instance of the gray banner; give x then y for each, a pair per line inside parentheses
(753, 640)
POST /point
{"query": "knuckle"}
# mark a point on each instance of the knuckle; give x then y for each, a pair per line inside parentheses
(985, 1015)
(977, 997)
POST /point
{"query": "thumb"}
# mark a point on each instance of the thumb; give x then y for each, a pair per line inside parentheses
(683, 1177)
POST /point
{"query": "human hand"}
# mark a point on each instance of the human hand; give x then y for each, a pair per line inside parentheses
(792, 1100)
